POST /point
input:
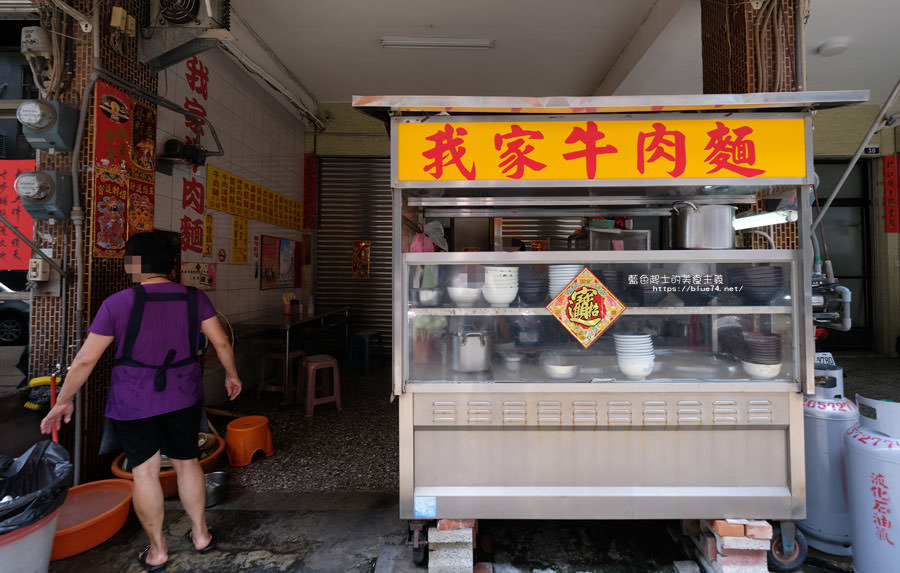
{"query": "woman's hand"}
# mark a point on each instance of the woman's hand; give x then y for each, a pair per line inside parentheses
(60, 413)
(232, 386)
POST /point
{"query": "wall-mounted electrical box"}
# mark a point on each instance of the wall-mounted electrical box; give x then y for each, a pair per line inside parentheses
(38, 270)
(45, 194)
(48, 124)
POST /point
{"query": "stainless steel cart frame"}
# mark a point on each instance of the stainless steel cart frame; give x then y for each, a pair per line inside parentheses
(670, 447)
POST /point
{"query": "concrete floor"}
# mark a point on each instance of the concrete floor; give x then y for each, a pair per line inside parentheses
(327, 499)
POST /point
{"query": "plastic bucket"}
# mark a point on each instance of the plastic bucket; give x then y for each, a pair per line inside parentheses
(27, 550)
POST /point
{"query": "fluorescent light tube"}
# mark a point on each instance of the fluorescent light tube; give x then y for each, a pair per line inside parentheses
(764, 219)
(447, 43)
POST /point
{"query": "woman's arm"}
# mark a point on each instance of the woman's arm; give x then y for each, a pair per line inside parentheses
(213, 330)
(78, 373)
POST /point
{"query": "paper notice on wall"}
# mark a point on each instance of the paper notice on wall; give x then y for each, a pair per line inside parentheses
(239, 241)
(208, 235)
(200, 275)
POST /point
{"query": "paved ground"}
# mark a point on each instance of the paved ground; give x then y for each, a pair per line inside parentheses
(327, 500)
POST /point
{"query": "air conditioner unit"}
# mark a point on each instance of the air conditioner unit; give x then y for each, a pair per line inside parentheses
(180, 29)
(205, 14)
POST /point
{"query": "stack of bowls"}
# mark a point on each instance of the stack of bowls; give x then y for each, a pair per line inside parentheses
(762, 355)
(560, 276)
(533, 291)
(635, 354)
(760, 284)
(501, 284)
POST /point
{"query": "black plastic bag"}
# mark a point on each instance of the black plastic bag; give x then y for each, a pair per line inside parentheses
(37, 481)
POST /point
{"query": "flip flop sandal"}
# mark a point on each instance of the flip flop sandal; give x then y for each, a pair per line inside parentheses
(209, 546)
(142, 559)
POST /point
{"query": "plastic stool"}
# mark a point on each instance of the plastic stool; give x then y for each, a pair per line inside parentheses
(313, 364)
(280, 384)
(245, 436)
(364, 337)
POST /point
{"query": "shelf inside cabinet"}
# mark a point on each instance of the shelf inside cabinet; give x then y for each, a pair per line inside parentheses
(631, 310)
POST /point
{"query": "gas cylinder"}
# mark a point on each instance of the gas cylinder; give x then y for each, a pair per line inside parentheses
(827, 415)
(873, 482)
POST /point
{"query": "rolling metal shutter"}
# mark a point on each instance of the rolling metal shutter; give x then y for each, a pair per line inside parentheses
(355, 205)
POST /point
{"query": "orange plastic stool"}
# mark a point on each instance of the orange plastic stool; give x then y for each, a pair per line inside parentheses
(245, 436)
(313, 364)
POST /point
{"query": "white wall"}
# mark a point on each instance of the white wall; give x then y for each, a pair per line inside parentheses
(263, 143)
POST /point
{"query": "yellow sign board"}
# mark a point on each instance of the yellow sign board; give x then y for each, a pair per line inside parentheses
(645, 149)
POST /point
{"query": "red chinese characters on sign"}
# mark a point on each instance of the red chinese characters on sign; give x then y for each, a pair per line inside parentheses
(197, 76)
(192, 194)
(191, 234)
(880, 509)
(196, 125)
(730, 150)
(662, 144)
(891, 194)
(589, 137)
(585, 307)
(447, 150)
(12, 254)
(514, 159)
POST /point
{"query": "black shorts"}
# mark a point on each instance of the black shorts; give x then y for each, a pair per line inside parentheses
(173, 434)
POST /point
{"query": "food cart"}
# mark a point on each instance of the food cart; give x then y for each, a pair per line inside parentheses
(609, 380)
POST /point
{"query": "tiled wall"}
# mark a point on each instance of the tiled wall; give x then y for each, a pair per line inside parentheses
(263, 143)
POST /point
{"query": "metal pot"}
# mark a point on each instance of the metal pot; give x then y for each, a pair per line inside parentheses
(703, 227)
(471, 351)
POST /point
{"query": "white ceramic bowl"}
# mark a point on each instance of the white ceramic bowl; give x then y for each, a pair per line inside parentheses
(636, 368)
(429, 296)
(464, 296)
(761, 371)
(560, 371)
(512, 362)
(499, 296)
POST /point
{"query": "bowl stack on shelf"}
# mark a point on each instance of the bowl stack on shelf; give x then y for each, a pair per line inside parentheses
(501, 284)
(762, 355)
(760, 283)
(533, 290)
(635, 354)
(560, 276)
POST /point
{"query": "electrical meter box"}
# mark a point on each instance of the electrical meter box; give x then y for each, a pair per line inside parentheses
(45, 194)
(48, 124)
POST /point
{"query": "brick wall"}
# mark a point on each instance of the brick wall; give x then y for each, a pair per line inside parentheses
(742, 46)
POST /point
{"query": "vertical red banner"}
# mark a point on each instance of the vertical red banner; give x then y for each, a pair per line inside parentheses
(891, 195)
(14, 254)
(112, 161)
(142, 180)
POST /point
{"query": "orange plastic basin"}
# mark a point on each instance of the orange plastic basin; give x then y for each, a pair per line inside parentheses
(92, 513)
(167, 478)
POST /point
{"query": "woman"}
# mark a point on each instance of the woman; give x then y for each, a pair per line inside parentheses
(156, 389)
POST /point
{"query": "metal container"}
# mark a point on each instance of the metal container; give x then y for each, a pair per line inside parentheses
(827, 416)
(873, 483)
(216, 488)
(471, 351)
(703, 227)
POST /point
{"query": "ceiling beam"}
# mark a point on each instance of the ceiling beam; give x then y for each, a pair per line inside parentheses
(658, 19)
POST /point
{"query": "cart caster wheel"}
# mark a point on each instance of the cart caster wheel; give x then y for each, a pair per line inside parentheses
(779, 560)
(420, 555)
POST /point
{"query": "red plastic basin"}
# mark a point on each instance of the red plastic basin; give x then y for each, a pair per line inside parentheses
(92, 513)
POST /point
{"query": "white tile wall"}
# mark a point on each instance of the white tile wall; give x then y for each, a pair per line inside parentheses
(263, 143)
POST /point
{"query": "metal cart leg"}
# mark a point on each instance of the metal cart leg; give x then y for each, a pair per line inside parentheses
(418, 539)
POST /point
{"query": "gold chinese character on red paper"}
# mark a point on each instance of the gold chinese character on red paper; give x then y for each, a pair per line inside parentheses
(586, 308)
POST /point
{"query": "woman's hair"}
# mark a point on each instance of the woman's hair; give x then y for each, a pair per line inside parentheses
(156, 251)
